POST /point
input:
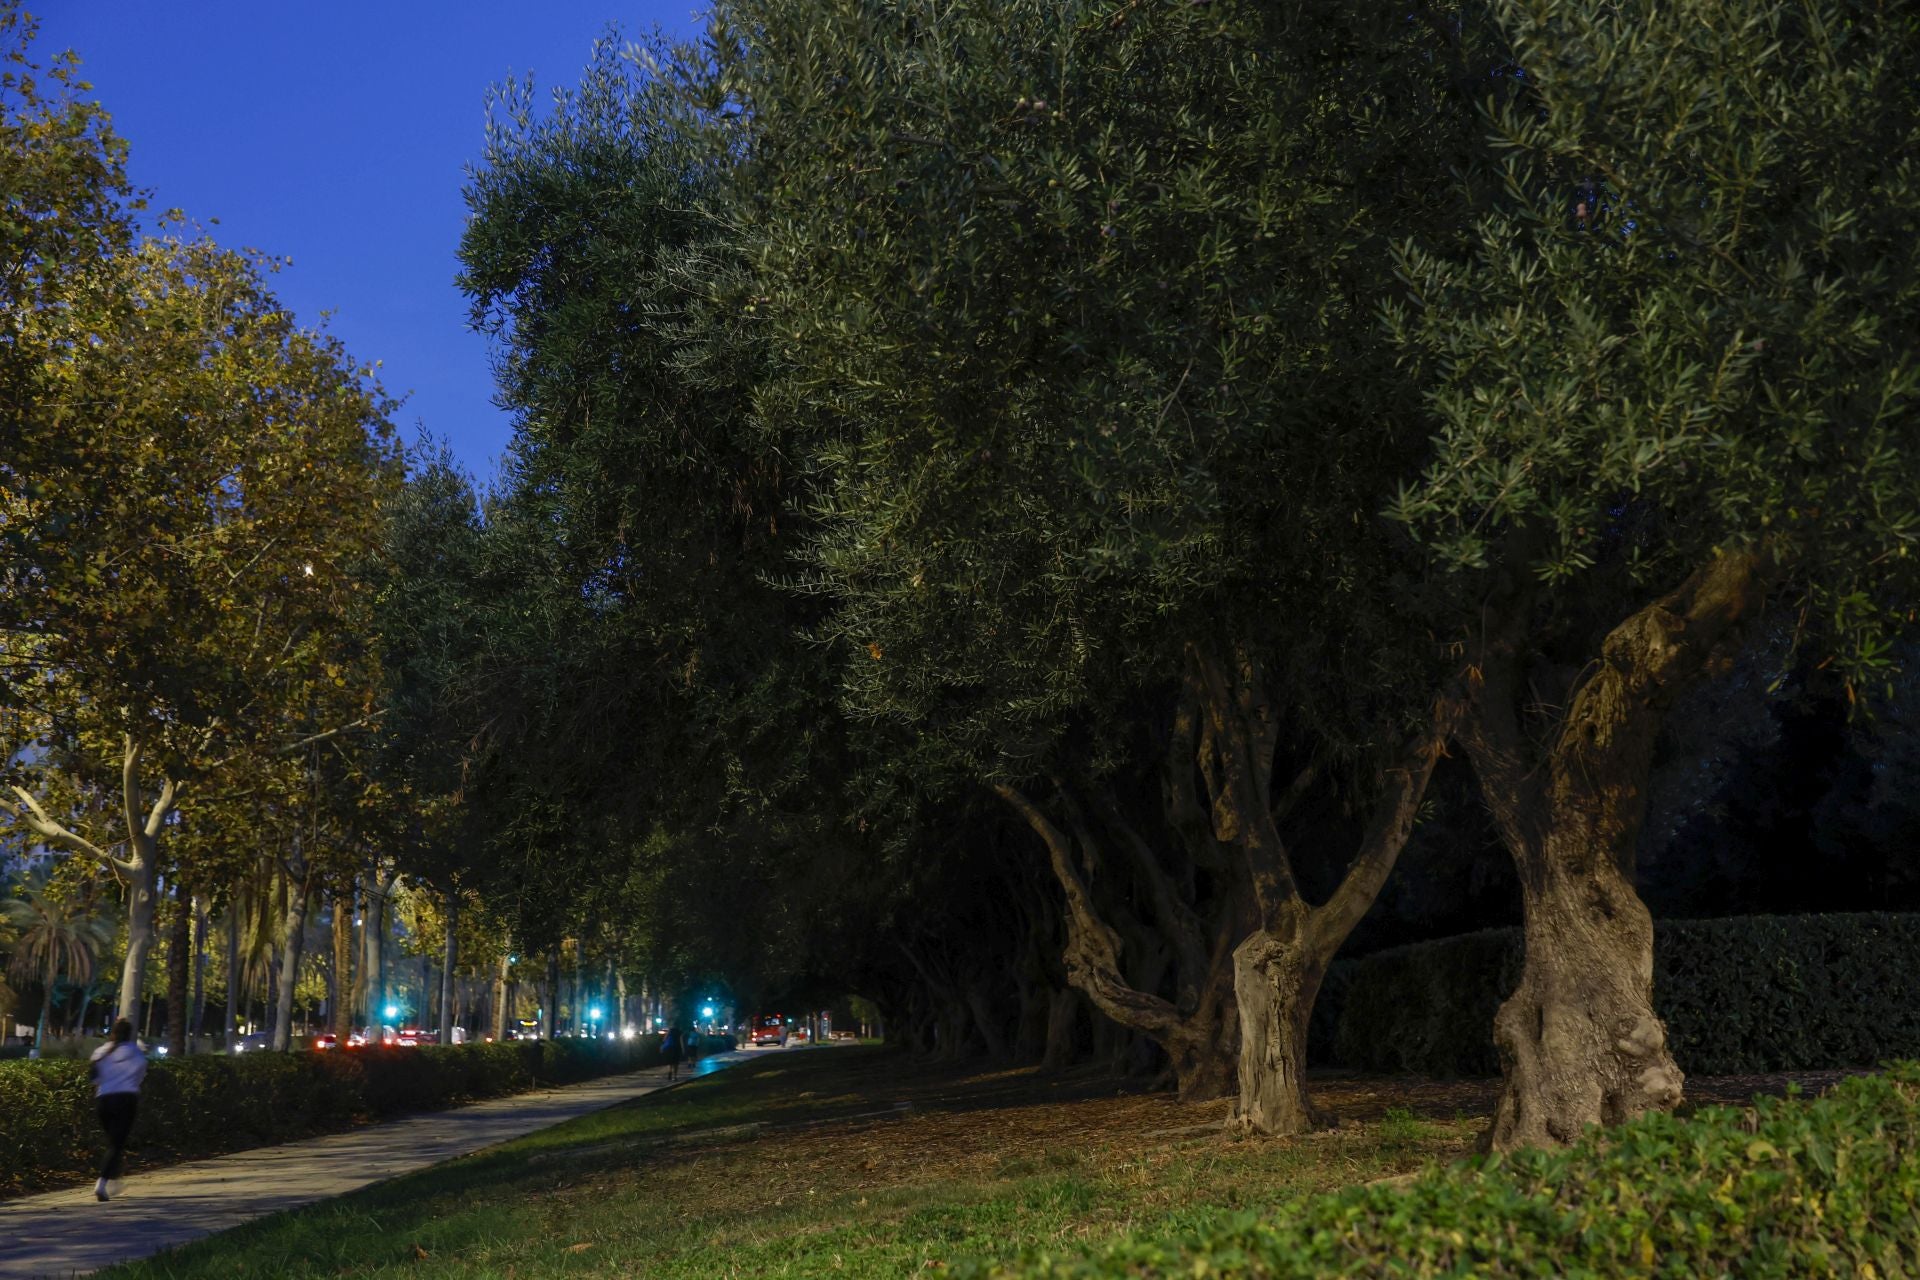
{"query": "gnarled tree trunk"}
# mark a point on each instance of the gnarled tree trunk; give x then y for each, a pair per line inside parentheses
(1579, 1041)
(1279, 966)
(1199, 1031)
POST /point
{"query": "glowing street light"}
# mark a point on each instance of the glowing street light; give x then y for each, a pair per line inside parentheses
(392, 1011)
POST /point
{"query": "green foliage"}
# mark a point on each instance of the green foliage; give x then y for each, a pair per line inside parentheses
(1785, 1188)
(1681, 313)
(201, 1106)
(1071, 307)
(1744, 994)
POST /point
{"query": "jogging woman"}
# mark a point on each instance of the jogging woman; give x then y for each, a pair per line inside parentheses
(117, 1069)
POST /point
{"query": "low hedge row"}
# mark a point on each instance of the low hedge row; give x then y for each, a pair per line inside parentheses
(1785, 1188)
(206, 1105)
(1744, 994)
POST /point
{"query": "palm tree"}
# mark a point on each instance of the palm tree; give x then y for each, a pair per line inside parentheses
(54, 941)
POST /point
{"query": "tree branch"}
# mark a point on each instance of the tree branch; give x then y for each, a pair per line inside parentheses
(35, 819)
(1093, 949)
(1243, 734)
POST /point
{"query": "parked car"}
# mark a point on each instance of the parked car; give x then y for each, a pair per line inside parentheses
(768, 1028)
(326, 1040)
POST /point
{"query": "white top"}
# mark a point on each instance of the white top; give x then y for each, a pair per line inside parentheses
(122, 1067)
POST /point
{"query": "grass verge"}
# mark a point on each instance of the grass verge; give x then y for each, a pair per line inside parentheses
(806, 1164)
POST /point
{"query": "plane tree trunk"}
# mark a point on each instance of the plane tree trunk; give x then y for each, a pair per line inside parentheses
(293, 924)
(343, 983)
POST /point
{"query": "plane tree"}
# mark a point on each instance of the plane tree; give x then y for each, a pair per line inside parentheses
(188, 597)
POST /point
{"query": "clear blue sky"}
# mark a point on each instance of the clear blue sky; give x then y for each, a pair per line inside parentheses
(335, 134)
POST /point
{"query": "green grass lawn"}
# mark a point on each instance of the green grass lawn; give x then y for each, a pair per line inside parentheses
(980, 1166)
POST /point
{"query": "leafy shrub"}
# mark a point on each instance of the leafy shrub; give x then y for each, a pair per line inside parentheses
(1745, 994)
(205, 1105)
(1784, 1188)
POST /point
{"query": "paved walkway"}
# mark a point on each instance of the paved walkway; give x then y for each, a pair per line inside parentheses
(66, 1233)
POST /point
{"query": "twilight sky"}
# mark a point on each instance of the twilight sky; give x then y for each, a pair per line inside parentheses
(335, 134)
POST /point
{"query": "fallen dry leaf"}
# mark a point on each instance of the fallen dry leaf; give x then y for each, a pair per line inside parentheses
(581, 1247)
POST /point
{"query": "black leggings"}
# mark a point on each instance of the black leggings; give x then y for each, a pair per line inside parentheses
(116, 1117)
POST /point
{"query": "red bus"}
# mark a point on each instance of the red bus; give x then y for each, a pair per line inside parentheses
(767, 1028)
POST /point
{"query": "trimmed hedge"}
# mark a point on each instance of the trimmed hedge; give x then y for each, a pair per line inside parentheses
(210, 1104)
(1785, 1188)
(1744, 994)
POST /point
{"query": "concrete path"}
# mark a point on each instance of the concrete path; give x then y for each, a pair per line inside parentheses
(66, 1233)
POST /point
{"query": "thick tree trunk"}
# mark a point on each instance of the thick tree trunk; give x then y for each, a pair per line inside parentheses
(295, 926)
(451, 957)
(142, 893)
(1579, 1042)
(343, 983)
(373, 938)
(1277, 976)
(179, 947)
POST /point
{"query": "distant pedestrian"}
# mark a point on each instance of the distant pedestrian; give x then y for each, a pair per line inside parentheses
(673, 1048)
(117, 1070)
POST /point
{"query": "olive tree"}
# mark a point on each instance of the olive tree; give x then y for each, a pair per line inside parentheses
(1671, 365)
(1074, 312)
